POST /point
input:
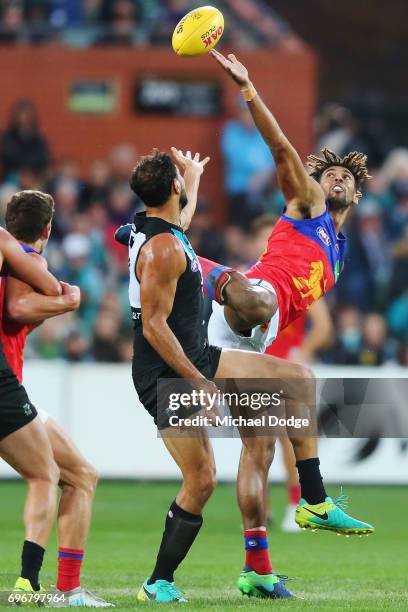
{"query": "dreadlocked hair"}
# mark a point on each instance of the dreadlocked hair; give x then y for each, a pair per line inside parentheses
(355, 162)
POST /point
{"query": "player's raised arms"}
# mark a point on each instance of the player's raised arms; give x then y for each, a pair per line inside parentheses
(192, 168)
(26, 268)
(304, 196)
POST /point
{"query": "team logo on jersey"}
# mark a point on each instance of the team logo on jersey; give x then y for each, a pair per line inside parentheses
(323, 235)
(314, 286)
(194, 265)
(27, 409)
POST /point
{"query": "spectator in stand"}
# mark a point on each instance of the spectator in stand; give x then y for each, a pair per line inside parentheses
(397, 316)
(376, 349)
(349, 336)
(105, 341)
(22, 146)
(204, 237)
(78, 270)
(11, 23)
(121, 28)
(37, 14)
(368, 266)
(403, 355)
(67, 196)
(337, 130)
(165, 16)
(122, 160)
(248, 167)
(75, 347)
(96, 188)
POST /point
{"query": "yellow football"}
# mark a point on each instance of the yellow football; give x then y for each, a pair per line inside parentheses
(198, 32)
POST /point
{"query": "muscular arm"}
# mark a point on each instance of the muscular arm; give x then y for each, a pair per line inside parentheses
(193, 169)
(26, 306)
(303, 195)
(161, 263)
(28, 270)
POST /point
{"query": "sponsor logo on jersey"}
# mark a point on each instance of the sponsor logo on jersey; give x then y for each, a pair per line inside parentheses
(323, 235)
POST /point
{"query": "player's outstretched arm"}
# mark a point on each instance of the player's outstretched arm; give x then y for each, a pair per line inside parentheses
(25, 268)
(192, 168)
(300, 190)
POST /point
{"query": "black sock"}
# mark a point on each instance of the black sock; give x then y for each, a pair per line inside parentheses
(311, 482)
(31, 562)
(181, 529)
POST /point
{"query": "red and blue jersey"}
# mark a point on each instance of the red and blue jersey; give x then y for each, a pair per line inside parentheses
(302, 261)
(13, 334)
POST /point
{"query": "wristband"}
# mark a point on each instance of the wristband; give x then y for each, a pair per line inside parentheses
(249, 93)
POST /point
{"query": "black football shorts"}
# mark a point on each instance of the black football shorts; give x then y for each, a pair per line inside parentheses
(16, 410)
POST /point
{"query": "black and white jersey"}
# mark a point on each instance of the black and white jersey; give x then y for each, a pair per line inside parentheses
(186, 319)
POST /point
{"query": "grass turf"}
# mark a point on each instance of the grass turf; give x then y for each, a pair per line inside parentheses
(332, 573)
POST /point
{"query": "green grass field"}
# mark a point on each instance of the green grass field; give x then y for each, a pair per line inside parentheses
(332, 573)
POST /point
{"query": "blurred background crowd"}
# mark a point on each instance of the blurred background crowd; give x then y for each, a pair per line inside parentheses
(369, 305)
(81, 23)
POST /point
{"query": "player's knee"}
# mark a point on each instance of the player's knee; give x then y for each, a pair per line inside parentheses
(261, 454)
(302, 372)
(261, 307)
(87, 478)
(203, 482)
(48, 473)
(54, 473)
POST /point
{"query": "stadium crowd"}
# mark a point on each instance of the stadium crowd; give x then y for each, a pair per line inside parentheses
(131, 22)
(369, 304)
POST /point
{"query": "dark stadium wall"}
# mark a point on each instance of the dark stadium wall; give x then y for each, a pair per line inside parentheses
(287, 80)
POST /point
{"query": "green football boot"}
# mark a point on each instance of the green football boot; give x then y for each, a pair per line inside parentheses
(161, 591)
(330, 515)
(268, 586)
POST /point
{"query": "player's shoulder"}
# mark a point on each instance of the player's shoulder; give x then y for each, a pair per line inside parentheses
(165, 242)
(309, 205)
(39, 258)
(300, 211)
(163, 250)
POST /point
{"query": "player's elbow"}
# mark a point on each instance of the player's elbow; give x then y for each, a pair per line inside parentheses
(151, 330)
(52, 287)
(280, 147)
(18, 310)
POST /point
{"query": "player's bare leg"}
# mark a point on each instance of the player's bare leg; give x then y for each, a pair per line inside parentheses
(29, 452)
(316, 510)
(292, 485)
(252, 484)
(246, 304)
(78, 482)
(298, 384)
(194, 456)
(271, 375)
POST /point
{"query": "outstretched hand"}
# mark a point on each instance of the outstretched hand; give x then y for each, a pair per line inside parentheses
(233, 67)
(187, 162)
